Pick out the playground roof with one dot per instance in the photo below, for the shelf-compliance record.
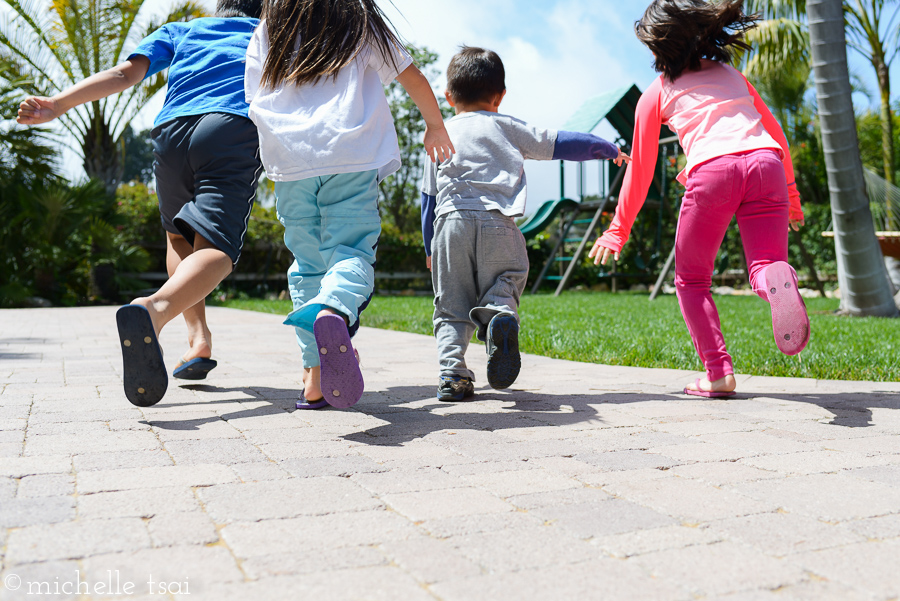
(617, 107)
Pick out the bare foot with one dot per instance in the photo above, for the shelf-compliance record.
(155, 317)
(200, 345)
(312, 384)
(726, 384)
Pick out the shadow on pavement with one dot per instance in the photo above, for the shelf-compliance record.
(528, 409)
(521, 409)
(9, 355)
(413, 411)
(280, 401)
(851, 409)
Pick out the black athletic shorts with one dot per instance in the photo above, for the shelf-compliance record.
(207, 167)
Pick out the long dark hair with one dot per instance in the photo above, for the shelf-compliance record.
(681, 32)
(331, 33)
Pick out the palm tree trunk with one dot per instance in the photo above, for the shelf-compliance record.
(102, 155)
(887, 137)
(865, 289)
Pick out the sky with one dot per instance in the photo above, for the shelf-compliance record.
(557, 55)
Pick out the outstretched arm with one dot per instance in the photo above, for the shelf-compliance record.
(576, 146)
(644, 151)
(38, 109)
(437, 141)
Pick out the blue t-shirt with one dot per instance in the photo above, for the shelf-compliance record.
(205, 58)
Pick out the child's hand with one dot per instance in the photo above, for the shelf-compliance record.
(622, 158)
(438, 144)
(36, 110)
(796, 223)
(428, 263)
(600, 254)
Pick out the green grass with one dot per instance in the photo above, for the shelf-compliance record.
(627, 329)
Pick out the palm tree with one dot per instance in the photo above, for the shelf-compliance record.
(26, 154)
(871, 29)
(863, 280)
(62, 42)
(864, 25)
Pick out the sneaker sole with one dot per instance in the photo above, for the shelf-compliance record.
(504, 361)
(790, 323)
(457, 398)
(342, 382)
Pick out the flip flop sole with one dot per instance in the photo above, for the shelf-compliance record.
(342, 382)
(144, 374)
(195, 369)
(504, 360)
(790, 323)
(302, 403)
(708, 394)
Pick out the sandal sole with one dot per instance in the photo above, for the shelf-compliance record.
(342, 381)
(144, 372)
(790, 322)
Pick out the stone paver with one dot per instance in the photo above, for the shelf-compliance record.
(582, 481)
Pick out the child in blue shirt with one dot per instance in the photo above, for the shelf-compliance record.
(476, 253)
(207, 166)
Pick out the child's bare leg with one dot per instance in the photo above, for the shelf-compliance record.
(199, 336)
(726, 384)
(192, 276)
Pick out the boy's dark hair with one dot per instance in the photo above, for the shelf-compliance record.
(475, 75)
(227, 9)
(331, 32)
(681, 32)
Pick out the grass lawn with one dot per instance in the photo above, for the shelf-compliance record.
(627, 329)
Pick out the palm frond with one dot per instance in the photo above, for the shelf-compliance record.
(777, 9)
(32, 29)
(776, 42)
(134, 101)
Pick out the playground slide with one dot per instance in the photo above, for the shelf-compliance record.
(545, 214)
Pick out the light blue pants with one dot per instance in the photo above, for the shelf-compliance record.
(331, 225)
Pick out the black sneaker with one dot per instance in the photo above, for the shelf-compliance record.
(455, 388)
(502, 344)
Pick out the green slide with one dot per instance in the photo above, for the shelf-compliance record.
(538, 222)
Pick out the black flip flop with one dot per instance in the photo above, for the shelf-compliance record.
(144, 370)
(195, 369)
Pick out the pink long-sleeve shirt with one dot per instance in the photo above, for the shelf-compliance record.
(715, 111)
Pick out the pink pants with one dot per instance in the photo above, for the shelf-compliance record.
(752, 186)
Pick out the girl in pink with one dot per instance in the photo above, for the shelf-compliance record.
(738, 163)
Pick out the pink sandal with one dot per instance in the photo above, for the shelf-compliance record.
(709, 394)
(790, 323)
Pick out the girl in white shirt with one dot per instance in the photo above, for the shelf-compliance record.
(314, 80)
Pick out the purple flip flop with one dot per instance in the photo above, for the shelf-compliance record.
(304, 404)
(342, 382)
(790, 323)
(709, 394)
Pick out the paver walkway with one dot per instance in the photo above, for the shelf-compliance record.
(584, 482)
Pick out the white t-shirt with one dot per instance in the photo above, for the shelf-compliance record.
(341, 125)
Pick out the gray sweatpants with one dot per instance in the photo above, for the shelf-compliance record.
(478, 269)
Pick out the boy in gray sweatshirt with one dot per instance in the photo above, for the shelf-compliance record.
(474, 249)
